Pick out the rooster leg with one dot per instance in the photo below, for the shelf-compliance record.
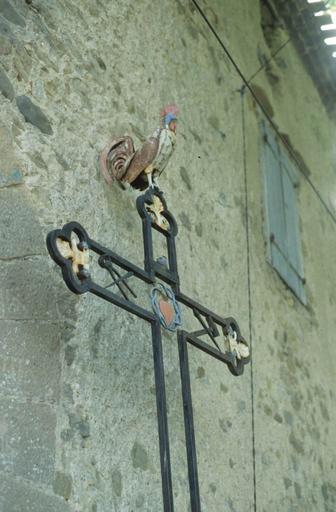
(149, 173)
(150, 180)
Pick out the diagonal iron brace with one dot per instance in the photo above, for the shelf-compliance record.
(118, 280)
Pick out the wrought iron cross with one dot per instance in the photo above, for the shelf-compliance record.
(70, 248)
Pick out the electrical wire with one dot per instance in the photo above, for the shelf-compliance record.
(248, 266)
(269, 60)
(265, 113)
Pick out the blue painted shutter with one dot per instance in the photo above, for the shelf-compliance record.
(281, 214)
(295, 270)
(276, 225)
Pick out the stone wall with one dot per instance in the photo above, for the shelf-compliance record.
(78, 415)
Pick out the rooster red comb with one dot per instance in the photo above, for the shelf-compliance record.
(172, 108)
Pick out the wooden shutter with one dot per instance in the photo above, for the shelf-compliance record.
(295, 271)
(275, 218)
(284, 250)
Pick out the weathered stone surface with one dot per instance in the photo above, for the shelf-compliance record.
(7, 37)
(33, 114)
(20, 232)
(6, 87)
(8, 12)
(117, 482)
(5, 43)
(15, 177)
(28, 292)
(18, 496)
(69, 354)
(139, 456)
(38, 160)
(80, 424)
(28, 440)
(62, 485)
(185, 177)
(185, 220)
(30, 360)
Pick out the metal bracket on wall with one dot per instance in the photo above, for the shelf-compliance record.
(70, 247)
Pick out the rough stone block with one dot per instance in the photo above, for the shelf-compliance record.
(62, 485)
(27, 440)
(8, 12)
(80, 424)
(20, 233)
(7, 38)
(6, 87)
(33, 114)
(27, 291)
(15, 177)
(17, 496)
(29, 360)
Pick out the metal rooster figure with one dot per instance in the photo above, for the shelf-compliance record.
(119, 161)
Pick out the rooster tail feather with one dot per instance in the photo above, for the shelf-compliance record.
(115, 158)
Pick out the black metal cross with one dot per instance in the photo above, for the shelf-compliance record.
(70, 248)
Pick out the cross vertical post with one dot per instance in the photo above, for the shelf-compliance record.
(189, 424)
(161, 405)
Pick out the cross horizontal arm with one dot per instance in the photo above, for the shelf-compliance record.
(205, 347)
(82, 284)
(115, 299)
(191, 303)
(233, 359)
(122, 262)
